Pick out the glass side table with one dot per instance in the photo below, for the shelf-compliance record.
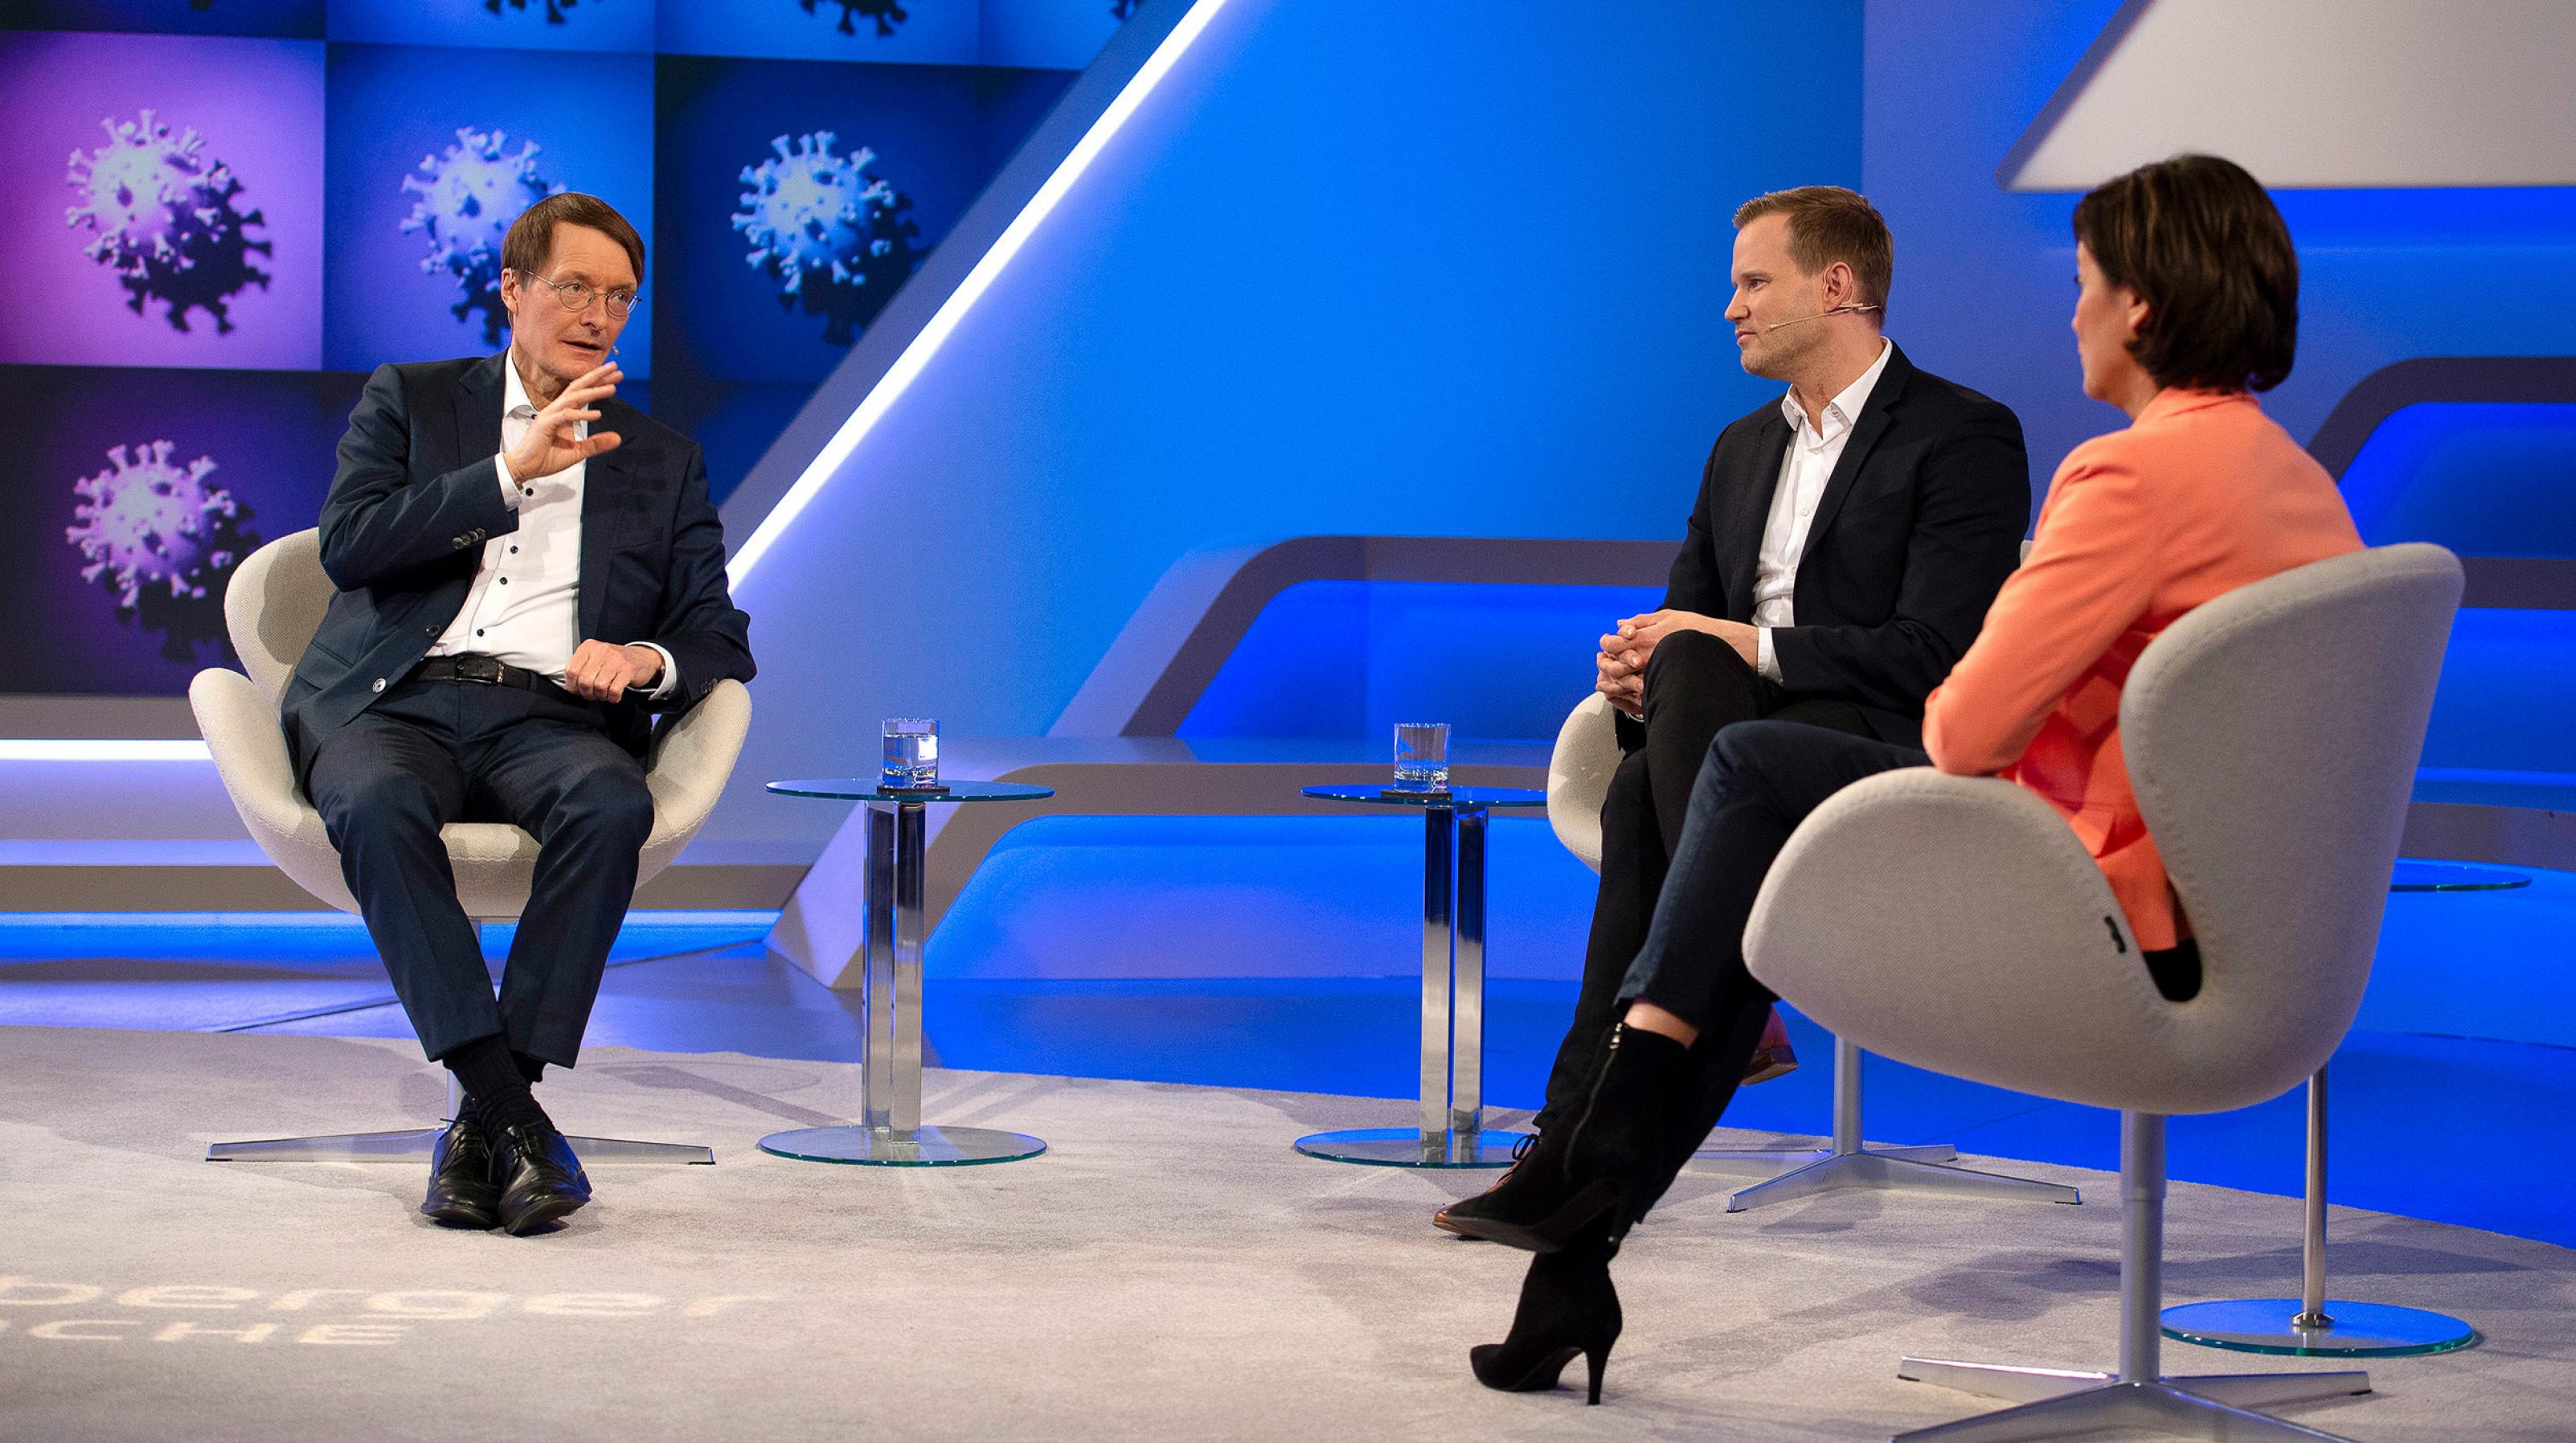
(1451, 1131)
(2313, 1325)
(891, 1133)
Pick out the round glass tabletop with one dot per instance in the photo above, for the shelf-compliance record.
(1463, 798)
(2414, 876)
(869, 789)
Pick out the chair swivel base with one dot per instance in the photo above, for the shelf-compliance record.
(2051, 1403)
(1412, 1147)
(413, 1145)
(1825, 1170)
(888, 1147)
(2350, 1330)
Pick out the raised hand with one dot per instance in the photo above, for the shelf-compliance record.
(551, 443)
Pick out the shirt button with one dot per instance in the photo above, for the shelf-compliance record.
(527, 490)
(478, 631)
(379, 684)
(505, 581)
(514, 551)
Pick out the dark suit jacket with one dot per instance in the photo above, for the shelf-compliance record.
(1918, 526)
(418, 493)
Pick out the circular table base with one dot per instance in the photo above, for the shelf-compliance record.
(1407, 1147)
(884, 1147)
(2414, 876)
(2358, 1330)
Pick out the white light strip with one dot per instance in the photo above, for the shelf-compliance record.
(22, 749)
(908, 366)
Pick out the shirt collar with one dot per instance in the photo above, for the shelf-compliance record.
(514, 395)
(1843, 409)
(514, 392)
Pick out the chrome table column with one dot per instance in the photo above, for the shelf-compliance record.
(2311, 1325)
(1449, 1128)
(890, 1131)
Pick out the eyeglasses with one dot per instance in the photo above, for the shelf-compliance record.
(575, 296)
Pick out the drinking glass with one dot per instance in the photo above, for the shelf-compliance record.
(1422, 756)
(911, 752)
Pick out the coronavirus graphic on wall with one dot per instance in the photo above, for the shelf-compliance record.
(469, 194)
(160, 538)
(834, 236)
(887, 13)
(165, 221)
(554, 8)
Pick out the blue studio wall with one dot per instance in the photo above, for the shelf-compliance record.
(1385, 269)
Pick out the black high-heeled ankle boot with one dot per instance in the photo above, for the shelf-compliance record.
(1606, 1162)
(1567, 1307)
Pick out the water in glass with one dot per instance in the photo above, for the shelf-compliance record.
(1422, 756)
(911, 752)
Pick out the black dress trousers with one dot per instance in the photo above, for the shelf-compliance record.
(430, 753)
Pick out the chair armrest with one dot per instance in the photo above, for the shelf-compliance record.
(1578, 777)
(1956, 923)
(240, 726)
(691, 761)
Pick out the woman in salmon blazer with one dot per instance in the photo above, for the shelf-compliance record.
(2187, 303)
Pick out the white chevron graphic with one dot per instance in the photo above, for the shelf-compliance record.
(2320, 94)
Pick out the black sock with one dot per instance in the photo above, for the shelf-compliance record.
(494, 1090)
(530, 1068)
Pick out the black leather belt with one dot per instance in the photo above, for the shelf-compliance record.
(483, 671)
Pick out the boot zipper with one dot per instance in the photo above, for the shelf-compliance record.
(1592, 1099)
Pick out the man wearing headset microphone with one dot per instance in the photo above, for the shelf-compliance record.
(1846, 543)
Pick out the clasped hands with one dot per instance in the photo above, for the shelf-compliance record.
(1629, 646)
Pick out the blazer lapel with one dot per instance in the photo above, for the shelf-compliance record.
(1865, 433)
(1748, 513)
(477, 412)
(604, 479)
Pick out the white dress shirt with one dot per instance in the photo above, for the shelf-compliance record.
(1809, 463)
(524, 607)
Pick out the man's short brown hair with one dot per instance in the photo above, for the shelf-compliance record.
(2201, 243)
(1828, 223)
(532, 235)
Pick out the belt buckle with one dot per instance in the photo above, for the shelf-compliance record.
(482, 670)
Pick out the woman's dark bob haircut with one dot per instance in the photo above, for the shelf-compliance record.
(2204, 247)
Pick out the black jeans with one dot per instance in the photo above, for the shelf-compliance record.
(1761, 781)
(1697, 687)
(430, 753)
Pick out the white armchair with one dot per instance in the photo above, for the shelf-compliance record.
(1578, 781)
(1956, 924)
(272, 608)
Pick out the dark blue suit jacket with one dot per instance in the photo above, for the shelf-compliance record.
(1919, 524)
(418, 493)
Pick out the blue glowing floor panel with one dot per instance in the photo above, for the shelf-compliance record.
(2457, 1130)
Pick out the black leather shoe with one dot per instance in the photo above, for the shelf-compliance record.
(461, 1194)
(538, 1178)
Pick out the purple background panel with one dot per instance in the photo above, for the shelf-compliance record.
(592, 120)
(588, 25)
(286, 19)
(270, 435)
(258, 103)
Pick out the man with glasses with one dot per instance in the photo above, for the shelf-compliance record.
(529, 572)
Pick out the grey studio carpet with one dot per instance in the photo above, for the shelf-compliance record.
(1168, 1270)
